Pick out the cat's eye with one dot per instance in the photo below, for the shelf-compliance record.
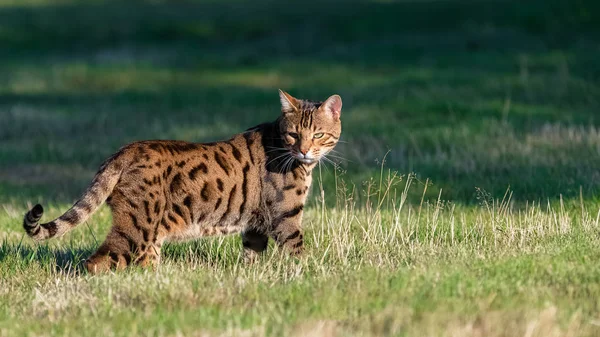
(293, 135)
(318, 135)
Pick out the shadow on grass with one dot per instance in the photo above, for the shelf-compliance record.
(70, 260)
(61, 260)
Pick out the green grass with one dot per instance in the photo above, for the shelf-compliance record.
(474, 97)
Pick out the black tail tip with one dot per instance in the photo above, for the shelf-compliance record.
(37, 211)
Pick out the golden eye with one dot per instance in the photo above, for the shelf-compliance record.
(318, 135)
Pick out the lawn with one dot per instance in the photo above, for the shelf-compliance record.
(465, 201)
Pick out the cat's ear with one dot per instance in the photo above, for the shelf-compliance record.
(333, 107)
(288, 103)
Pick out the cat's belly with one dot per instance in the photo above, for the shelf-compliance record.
(208, 228)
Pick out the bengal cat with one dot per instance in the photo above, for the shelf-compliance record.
(255, 183)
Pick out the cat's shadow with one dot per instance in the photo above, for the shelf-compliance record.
(67, 261)
(70, 260)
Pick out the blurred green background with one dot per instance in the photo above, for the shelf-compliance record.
(467, 94)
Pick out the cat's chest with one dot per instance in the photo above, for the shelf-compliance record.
(291, 186)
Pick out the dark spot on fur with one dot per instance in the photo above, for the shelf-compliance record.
(200, 167)
(222, 162)
(292, 236)
(85, 206)
(289, 214)
(236, 153)
(172, 218)
(165, 224)
(156, 147)
(147, 209)
(205, 193)
(187, 202)
(177, 210)
(176, 183)
(51, 227)
(244, 188)
(183, 147)
(228, 210)
(72, 217)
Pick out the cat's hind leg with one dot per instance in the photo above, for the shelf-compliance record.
(130, 240)
(116, 252)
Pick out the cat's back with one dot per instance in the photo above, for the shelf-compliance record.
(175, 156)
(214, 185)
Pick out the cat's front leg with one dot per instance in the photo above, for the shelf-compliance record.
(287, 231)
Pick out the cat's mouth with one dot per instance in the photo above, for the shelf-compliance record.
(306, 160)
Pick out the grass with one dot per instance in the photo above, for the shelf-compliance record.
(477, 98)
(371, 270)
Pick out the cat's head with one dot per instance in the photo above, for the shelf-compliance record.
(309, 130)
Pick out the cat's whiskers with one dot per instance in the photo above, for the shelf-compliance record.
(337, 155)
(330, 161)
(338, 158)
(282, 162)
(276, 158)
(287, 162)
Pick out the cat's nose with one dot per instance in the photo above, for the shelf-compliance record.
(304, 151)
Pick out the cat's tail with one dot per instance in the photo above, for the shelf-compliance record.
(96, 193)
